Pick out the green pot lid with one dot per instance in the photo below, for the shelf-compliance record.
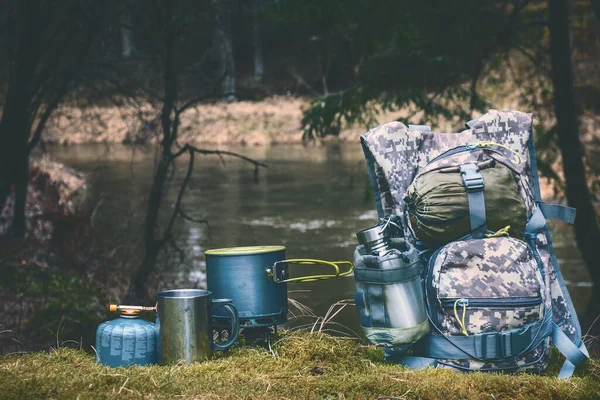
(235, 251)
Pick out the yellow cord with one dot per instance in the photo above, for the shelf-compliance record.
(498, 233)
(312, 278)
(517, 159)
(463, 328)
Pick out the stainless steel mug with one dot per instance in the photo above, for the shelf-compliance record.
(185, 330)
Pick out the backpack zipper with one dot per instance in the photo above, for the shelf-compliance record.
(468, 147)
(492, 302)
(429, 291)
(451, 152)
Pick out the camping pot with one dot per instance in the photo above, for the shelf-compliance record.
(185, 325)
(256, 278)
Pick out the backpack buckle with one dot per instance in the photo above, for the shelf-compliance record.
(496, 346)
(472, 178)
(503, 345)
(506, 344)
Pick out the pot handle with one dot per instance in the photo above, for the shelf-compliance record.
(278, 275)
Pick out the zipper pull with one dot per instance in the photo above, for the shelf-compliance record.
(498, 233)
(461, 321)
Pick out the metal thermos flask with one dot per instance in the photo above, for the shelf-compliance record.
(396, 295)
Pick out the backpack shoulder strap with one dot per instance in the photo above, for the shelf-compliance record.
(566, 332)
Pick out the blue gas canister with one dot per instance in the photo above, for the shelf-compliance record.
(127, 340)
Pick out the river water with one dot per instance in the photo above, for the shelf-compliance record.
(311, 199)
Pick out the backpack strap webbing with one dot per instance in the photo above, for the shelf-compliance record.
(486, 346)
(559, 212)
(575, 355)
(474, 185)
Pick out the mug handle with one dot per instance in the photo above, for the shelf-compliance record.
(235, 326)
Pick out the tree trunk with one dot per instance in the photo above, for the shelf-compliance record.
(587, 233)
(259, 68)
(223, 44)
(169, 124)
(15, 125)
(127, 39)
(152, 246)
(596, 8)
(21, 183)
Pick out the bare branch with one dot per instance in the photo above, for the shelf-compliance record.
(201, 97)
(180, 194)
(191, 103)
(188, 217)
(171, 241)
(177, 209)
(193, 149)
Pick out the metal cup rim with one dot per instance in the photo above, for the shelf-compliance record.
(168, 294)
(222, 301)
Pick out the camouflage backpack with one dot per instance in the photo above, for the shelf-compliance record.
(495, 299)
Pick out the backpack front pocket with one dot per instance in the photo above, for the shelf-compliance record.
(494, 314)
(484, 285)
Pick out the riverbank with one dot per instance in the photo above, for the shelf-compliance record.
(302, 366)
(274, 120)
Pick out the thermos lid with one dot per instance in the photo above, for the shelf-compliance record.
(235, 251)
(372, 234)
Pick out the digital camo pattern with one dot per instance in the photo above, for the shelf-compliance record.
(560, 308)
(535, 361)
(489, 269)
(398, 153)
(486, 268)
(549, 275)
(481, 320)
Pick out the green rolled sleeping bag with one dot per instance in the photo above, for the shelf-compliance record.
(438, 208)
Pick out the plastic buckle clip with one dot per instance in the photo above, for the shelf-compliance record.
(504, 345)
(496, 346)
(472, 178)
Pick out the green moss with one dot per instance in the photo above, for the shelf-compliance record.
(300, 366)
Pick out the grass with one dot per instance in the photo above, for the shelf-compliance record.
(301, 366)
